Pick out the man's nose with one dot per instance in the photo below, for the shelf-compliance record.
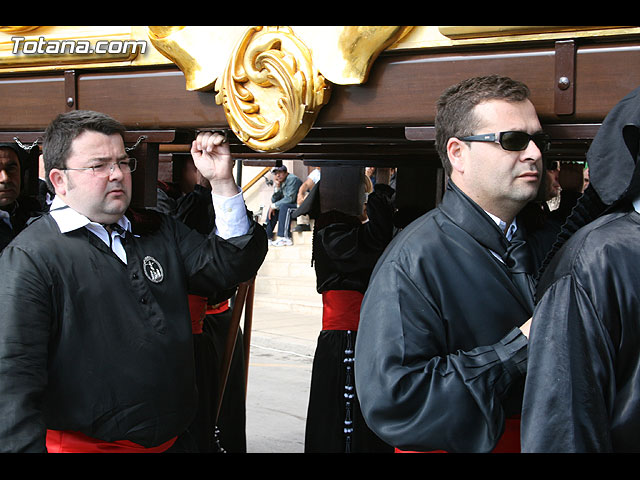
(115, 172)
(532, 152)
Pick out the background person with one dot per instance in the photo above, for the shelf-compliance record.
(345, 251)
(302, 221)
(15, 208)
(283, 202)
(189, 200)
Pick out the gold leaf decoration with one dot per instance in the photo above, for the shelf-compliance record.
(270, 90)
(18, 29)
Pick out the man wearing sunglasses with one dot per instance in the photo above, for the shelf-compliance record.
(441, 350)
(96, 349)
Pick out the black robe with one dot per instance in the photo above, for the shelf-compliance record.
(20, 212)
(345, 252)
(195, 209)
(584, 368)
(92, 345)
(582, 387)
(440, 360)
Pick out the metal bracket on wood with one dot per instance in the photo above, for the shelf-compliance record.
(70, 90)
(565, 79)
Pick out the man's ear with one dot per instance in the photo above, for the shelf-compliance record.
(456, 151)
(59, 181)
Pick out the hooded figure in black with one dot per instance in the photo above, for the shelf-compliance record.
(345, 251)
(15, 214)
(583, 375)
(189, 200)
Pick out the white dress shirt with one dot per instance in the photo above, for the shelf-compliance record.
(231, 221)
(502, 225)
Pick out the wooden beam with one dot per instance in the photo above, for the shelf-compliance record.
(401, 90)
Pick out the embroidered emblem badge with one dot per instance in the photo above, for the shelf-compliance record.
(152, 269)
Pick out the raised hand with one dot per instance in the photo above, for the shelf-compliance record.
(212, 157)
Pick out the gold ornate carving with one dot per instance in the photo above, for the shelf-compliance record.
(271, 92)
(345, 54)
(272, 81)
(201, 52)
(17, 29)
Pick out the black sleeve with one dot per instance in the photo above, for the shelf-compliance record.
(23, 351)
(413, 395)
(566, 406)
(194, 209)
(214, 264)
(350, 248)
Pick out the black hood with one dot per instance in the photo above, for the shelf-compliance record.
(614, 175)
(23, 155)
(613, 155)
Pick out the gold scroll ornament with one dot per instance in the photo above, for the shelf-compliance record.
(270, 91)
(273, 81)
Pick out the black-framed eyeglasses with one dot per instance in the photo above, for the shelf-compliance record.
(126, 165)
(552, 165)
(513, 141)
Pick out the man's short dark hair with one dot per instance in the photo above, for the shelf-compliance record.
(61, 132)
(454, 109)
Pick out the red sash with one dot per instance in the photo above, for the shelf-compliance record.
(67, 441)
(219, 308)
(197, 308)
(509, 441)
(341, 309)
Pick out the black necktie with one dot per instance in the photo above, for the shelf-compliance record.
(517, 258)
(117, 228)
(114, 227)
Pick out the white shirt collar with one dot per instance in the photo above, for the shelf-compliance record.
(68, 219)
(502, 225)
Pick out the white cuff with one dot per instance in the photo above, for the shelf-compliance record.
(231, 215)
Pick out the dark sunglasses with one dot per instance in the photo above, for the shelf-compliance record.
(513, 141)
(552, 165)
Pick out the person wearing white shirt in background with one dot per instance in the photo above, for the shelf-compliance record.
(302, 222)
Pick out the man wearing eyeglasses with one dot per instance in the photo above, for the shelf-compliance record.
(441, 350)
(96, 350)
